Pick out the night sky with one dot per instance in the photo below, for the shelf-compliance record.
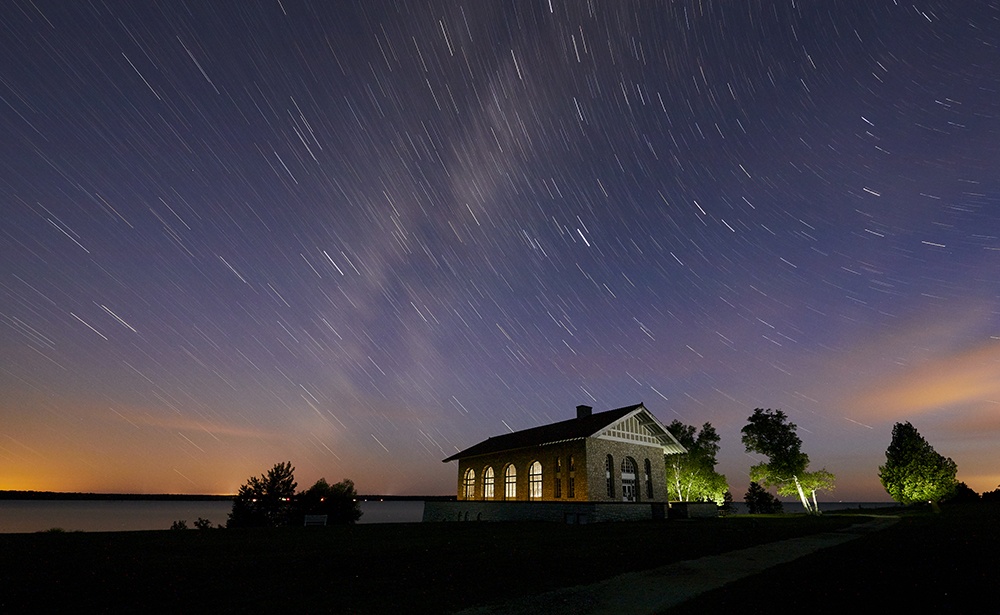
(360, 236)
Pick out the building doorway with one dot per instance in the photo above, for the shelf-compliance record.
(628, 480)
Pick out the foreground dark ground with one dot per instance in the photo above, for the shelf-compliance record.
(430, 568)
(435, 568)
(925, 563)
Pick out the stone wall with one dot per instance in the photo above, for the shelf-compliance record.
(587, 472)
(559, 512)
(597, 451)
(522, 460)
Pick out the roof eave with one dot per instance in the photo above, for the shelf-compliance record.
(459, 455)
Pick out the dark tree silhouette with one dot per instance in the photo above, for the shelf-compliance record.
(727, 507)
(203, 524)
(338, 501)
(265, 501)
(760, 502)
(964, 494)
(914, 471)
(992, 497)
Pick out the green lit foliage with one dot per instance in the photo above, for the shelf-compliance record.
(760, 502)
(691, 476)
(265, 501)
(338, 501)
(811, 482)
(769, 433)
(914, 471)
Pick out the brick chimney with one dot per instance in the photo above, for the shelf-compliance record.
(583, 412)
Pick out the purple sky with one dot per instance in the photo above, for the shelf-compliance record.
(362, 236)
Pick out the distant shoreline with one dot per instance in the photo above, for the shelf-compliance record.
(176, 497)
(188, 497)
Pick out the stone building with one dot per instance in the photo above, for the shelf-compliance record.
(566, 471)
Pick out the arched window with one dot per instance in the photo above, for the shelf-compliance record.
(534, 481)
(649, 480)
(510, 483)
(609, 469)
(488, 483)
(470, 484)
(628, 480)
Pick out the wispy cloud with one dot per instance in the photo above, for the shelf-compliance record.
(968, 379)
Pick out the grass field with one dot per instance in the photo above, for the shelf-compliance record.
(925, 562)
(413, 568)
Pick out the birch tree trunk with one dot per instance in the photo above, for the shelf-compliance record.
(802, 495)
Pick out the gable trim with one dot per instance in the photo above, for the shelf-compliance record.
(657, 431)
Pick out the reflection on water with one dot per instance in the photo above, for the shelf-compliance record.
(17, 516)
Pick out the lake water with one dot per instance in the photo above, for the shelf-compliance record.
(19, 516)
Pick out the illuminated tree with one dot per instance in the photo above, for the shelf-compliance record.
(265, 501)
(692, 476)
(769, 433)
(914, 471)
(339, 502)
(810, 482)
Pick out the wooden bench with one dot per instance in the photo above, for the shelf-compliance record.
(315, 520)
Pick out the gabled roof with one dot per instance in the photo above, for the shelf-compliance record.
(572, 429)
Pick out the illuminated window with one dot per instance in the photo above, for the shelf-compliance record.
(535, 481)
(510, 483)
(470, 484)
(628, 480)
(609, 468)
(649, 481)
(488, 483)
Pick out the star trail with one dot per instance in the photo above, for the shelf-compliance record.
(363, 235)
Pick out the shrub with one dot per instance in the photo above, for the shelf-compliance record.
(203, 524)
